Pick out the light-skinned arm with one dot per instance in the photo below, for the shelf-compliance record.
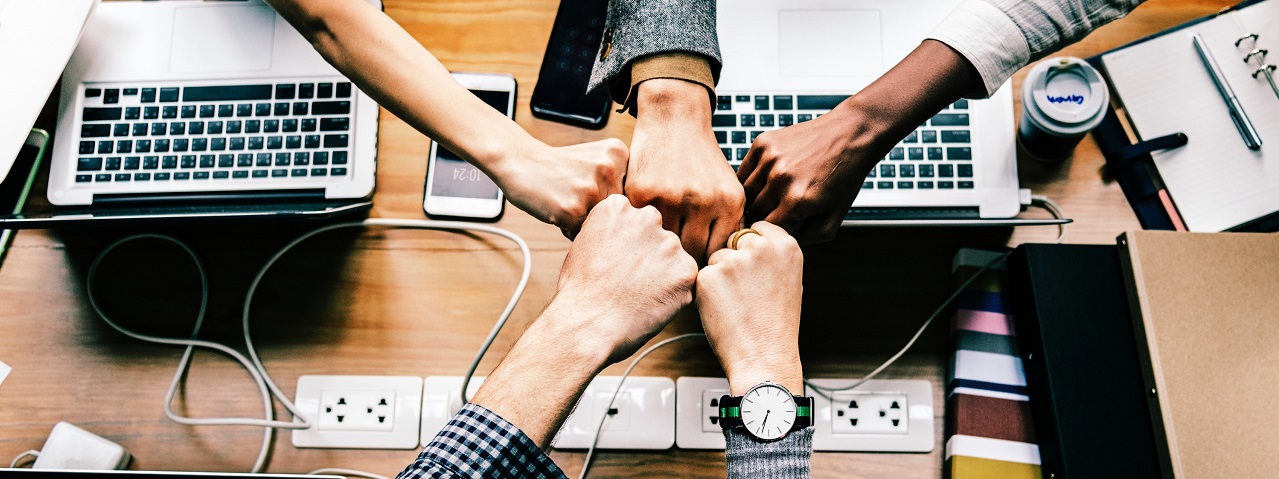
(749, 300)
(623, 280)
(555, 185)
(676, 165)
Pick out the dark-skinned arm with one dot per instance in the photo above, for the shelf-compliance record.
(804, 177)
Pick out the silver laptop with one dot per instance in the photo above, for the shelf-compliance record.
(789, 61)
(176, 100)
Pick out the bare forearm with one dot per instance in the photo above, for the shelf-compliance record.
(396, 71)
(538, 382)
(929, 78)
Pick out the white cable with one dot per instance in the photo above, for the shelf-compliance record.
(416, 224)
(18, 460)
(586, 465)
(345, 472)
(1037, 200)
(824, 391)
(254, 365)
(260, 463)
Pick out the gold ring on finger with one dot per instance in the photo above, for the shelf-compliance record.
(732, 240)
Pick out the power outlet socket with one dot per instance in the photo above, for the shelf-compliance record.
(864, 419)
(642, 416)
(697, 412)
(869, 413)
(710, 410)
(359, 412)
(441, 400)
(343, 410)
(853, 422)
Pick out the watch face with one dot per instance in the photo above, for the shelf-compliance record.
(768, 411)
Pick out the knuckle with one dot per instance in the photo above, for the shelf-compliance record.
(764, 142)
(782, 170)
(690, 272)
(608, 172)
(643, 195)
(615, 148)
(574, 210)
(610, 204)
(793, 197)
(649, 214)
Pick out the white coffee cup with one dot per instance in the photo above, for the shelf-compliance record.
(1062, 99)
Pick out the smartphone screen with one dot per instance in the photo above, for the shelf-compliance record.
(560, 93)
(456, 178)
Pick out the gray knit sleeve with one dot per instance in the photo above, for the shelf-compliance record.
(784, 459)
(645, 27)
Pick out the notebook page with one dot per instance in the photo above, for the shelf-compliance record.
(1215, 180)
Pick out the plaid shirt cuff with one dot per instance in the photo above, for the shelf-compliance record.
(479, 443)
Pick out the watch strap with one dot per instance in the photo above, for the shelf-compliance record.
(730, 412)
(803, 412)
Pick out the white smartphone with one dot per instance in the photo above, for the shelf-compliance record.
(455, 188)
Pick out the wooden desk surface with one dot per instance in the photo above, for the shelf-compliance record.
(397, 302)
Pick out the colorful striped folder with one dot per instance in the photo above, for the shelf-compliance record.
(989, 432)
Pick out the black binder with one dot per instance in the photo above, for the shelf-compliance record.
(1087, 398)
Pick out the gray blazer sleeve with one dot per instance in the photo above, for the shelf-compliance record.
(638, 28)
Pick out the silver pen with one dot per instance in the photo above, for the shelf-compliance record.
(1250, 137)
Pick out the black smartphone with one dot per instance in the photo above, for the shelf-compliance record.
(16, 185)
(560, 93)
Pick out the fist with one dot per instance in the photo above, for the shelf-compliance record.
(560, 185)
(749, 300)
(625, 276)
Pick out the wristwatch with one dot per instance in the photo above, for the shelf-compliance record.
(768, 412)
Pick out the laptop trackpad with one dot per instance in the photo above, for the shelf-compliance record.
(825, 43)
(222, 39)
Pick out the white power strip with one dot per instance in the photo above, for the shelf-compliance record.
(877, 416)
(652, 413)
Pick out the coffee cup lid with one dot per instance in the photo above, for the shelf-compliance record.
(1065, 94)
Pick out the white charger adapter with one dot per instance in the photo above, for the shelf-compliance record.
(70, 447)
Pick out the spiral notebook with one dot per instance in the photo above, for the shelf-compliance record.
(1215, 181)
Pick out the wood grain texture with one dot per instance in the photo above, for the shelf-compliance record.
(401, 302)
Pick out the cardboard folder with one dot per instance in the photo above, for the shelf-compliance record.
(1206, 311)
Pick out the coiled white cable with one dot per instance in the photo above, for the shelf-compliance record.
(191, 344)
(253, 363)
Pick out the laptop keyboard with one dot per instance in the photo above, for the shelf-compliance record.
(936, 156)
(237, 133)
